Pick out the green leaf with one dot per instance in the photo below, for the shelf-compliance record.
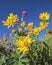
(25, 60)
(22, 55)
(28, 64)
(20, 63)
(15, 63)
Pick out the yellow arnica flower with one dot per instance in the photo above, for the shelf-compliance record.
(36, 31)
(23, 43)
(30, 25)
(44, 16)
(43, 24)
(12, 19)
(22, 24)
(1, 41)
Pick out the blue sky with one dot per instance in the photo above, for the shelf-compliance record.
(33, 7)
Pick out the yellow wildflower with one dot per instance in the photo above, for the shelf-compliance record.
(44, 16)
(1, 41)
(23, 43)
(36, 31)
(12, 19)
(22, 24)
(43, 24)
(30, 25)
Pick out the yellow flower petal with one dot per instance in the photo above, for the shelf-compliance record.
(22, 24)
(43, 24)
(36, 31)
(30, 25)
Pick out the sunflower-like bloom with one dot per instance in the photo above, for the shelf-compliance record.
(44, 16)
(43, 24)
(30, 25)
(23, 43)
(12, 19)
(36, 31)
(22, 24)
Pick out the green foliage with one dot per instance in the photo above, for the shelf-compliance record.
(40, 53)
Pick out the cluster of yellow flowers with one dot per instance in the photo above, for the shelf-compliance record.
(11, 20)
(44, 17)
(43, 24)
(24, 43)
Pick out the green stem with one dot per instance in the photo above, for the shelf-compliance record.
(32, 59)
